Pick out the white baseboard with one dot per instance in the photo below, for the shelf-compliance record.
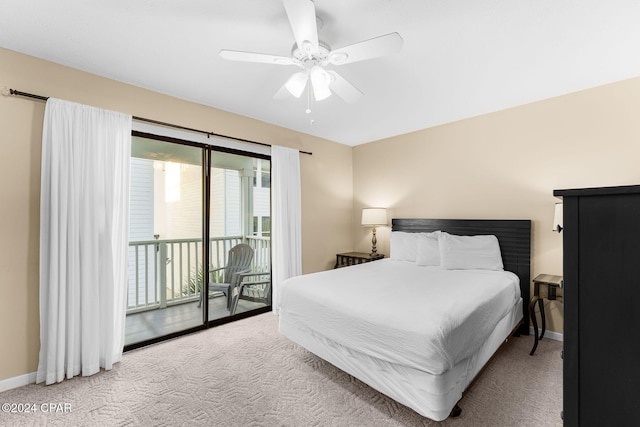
(557, 336)
(18, 381)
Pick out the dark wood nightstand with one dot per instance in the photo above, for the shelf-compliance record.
(544, 286)
(352, 258)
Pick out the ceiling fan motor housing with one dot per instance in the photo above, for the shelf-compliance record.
(308, 60)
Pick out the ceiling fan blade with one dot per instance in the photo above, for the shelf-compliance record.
(234, 55)
(345, 90)
(302, 17)
(372, 48)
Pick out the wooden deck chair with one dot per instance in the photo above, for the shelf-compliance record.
(238, 261)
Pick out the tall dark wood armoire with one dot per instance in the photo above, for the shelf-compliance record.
(601, 306)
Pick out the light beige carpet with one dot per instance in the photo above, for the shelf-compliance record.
(247, 374)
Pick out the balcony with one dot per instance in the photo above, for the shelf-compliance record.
(165, 277)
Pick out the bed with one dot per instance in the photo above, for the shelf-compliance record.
(418, 332)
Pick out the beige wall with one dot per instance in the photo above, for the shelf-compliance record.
(505, 165)
(327, 200)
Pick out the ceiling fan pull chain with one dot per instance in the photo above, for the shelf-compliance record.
(308, 110)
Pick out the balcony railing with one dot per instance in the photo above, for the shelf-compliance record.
(168, 272)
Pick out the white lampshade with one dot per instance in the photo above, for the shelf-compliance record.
(296, 83)
(320, 80)
(558, 222)
(374, 216)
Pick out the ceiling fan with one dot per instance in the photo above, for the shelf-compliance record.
(313, 55)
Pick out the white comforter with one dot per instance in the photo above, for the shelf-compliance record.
(427, 318)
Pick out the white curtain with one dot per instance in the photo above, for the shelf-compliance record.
(84, 211)
(286, 238)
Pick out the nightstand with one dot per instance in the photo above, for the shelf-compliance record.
(352, 258)
(545, 286)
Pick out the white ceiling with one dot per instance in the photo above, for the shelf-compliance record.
(460, 58)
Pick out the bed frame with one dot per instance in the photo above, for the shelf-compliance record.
(514, 237)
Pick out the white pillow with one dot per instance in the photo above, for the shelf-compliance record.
(470, 252)
(404, 246)
(428, 253)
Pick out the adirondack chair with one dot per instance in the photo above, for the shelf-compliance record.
(238, 262)
(257, 289)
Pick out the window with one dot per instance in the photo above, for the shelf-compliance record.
(261, 226)
(266, 226)
(262, 173)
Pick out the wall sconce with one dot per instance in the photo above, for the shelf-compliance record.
(374, 217)
(558, 217)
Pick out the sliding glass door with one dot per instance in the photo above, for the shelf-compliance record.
(240, 221)
(169, 267)
(165, 239)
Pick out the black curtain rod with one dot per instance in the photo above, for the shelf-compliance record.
(157, 122)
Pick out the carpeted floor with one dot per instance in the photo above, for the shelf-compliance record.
(247, 374)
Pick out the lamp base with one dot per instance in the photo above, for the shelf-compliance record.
(374, 251)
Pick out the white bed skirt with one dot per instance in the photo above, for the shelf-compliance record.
(432, 396)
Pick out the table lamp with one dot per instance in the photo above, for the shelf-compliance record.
(374, 217)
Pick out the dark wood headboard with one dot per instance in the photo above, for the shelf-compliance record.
(515, 244)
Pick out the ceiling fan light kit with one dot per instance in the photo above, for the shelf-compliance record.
(313, 55)
(320, 80)
(296, 83)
